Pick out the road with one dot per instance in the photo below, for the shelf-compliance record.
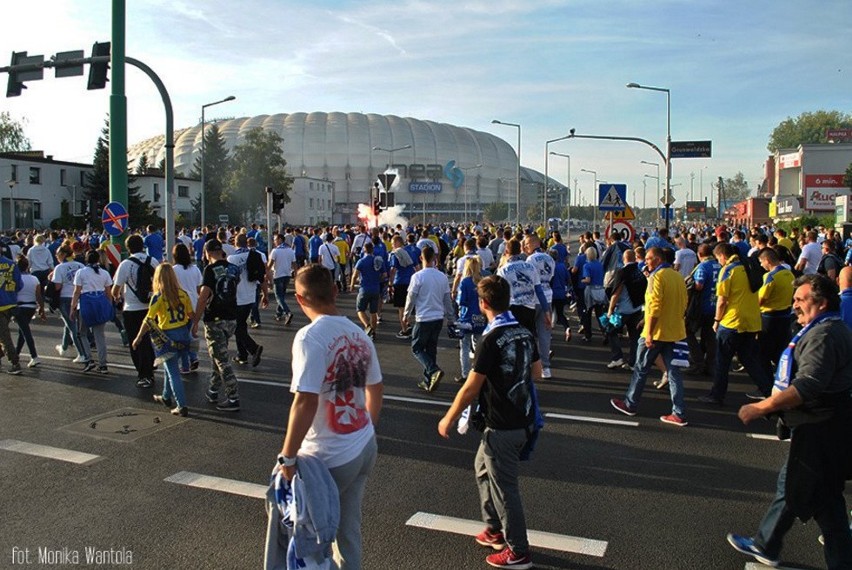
(603, 490)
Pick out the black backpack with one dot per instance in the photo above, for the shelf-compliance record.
(255, 268)
(144, 279)
(225, 289)
(754, 272)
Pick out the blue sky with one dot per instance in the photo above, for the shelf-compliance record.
(735, 70)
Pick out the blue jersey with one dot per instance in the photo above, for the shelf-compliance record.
(154, 245)
(560, 282)
(707, 273)
(370, 274)
(314, 244)
(594, 271)
(402, 276)
(198, 245)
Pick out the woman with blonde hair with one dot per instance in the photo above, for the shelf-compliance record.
(171, 312)
(471, 321)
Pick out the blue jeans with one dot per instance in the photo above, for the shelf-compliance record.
(69, 334)
(645, 358)
(424, 345)
(730, 342)
(173, 384)
(190, 355)
(831, 519)
(280, 292)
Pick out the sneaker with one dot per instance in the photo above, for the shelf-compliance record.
(80, 359)
(124, 340)
(255, 360)
(103, 370)
(622, 407)
(254, 325)
(34, 362)
(674, 419)
(239, 360)
(370, 331)
(821, 540)
(493, 540)
(708, 399)
(423, 385)
(15, 369)
(279, 318)
(403, 334)
(379, 319)
(90, 365)
(546, 374)
(737, 367)
(567, 335)
(193, 366)
(212, 396)
(508, 559)
(287, 318)
(229, 405)
(184, 370)
(626, 366)
(182, 412)
(61, 351)
(615, 364)
(746, 545)
(435, 379)
(755, 396)
(167, 402)
(145, 383)
(459, 379)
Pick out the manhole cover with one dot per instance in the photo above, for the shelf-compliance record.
(126, 424)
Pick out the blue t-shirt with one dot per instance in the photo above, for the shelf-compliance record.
(742, 247)
(154, 245)
(560, 282)
(468, 300)
(299, 246)
(414, 252)
(314, 244)
(707, 273)
(198, 245)
(580, 263)
(594, 270)
(369, 274)
(846, 306)
(561, 251)
(403, 274)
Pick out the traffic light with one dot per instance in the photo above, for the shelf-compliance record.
(277, 201)
(377, 207)
(386, 200)
(98, 71)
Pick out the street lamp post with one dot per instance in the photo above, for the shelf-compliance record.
(594, 189)
(657, 165)
(464, 183)
(203, 187)
(518, 181)
(568, 181)
(668, 139)
(546, 178)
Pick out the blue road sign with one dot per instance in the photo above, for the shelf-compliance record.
(613, 197)
(663, 213)
(115, 218)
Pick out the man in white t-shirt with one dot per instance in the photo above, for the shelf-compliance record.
(282, 263)
(685, 258)
(338, 389)
(246, 297)
(811, 255)
(329, 255)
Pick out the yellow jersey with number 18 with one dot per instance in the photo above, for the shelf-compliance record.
(169, 317)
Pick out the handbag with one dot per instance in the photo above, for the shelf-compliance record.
(95, 308)
(681, 354)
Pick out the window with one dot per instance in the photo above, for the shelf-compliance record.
(62, 177)
(156, 192)
(82, 178)
(311, 204)
(311, 184)
(37, 209)
(35, 175)
(14, 176)
(329, 204)
(183, 191)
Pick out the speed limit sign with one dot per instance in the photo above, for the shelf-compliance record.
(624, 229)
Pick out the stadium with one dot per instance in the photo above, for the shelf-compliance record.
(445, 172)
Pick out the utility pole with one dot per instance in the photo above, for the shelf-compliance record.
(118, 113)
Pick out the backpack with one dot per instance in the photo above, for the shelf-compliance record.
(636, 284)
(754, 273)
(255, 269)
(225, 289)
(144, 279)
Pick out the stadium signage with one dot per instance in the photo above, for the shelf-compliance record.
(415, 171)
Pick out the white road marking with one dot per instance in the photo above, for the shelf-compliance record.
(221, 484)
(590, 419)
(417, 401)
(48, 452)
(759, 566)
(539, 539)
(264, 383)
(764, 436)
(76, 364)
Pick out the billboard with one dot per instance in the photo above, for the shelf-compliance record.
(696, 208)
(821, 190)
(792, 160)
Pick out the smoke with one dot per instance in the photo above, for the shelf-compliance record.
(390, 217)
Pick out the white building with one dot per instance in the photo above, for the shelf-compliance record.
(311, 202)
(807, 179)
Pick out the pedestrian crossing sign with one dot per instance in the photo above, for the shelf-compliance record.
(624, 215)
(613, 197)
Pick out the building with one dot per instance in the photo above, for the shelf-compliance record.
(806, 180)
(445, 172)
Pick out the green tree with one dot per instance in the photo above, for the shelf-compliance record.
(847, 178)
(807, 128)
(496, 211)
(142, 166)
(733, 189)
(258, 162)
(12, 137)
(217, 170)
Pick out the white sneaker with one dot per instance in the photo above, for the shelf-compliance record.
(79, 360)
(615, 364)
(59, 350)
(34, 362)
(545, 374)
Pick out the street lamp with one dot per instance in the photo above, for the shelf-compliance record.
(390, 152)
(464, 182)
(656, 164)
(546, 177)
(568, 187)
(12, 218)
(594, 189)
(518, 182)
(203, 187)
(668, 139)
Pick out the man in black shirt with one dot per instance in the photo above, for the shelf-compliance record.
(217, 303)
(506, 361)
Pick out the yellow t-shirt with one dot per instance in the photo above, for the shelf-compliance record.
(786, 242)
(665, 298)
(777, 291)
(743, 312)
(168, 317)
(343, 248)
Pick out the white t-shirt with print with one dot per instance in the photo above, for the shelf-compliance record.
(64, 275)
(246, 290)
(91, 281)
(126, 276)
(334, 358)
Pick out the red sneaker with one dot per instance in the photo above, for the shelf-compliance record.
(493, 540)
(674, 419)
(508, 559)
(622, 407)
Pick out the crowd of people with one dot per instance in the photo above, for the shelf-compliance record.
(699, 300)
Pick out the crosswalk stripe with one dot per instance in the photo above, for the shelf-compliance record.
(539, 539)
(764, 436)
(37, 450)
(759, 566)
(591, 420)
(221, 484)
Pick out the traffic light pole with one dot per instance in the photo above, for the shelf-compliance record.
(118, 112)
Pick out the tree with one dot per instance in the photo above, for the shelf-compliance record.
(257, 163)
(12, 138)
(847, 178)
(217, 170)
(496, 211)
(733, 189)
(142, 167)
(807, 128)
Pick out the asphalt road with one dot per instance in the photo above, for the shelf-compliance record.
(647, 496)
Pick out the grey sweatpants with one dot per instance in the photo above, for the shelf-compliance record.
(351, 478)
(496, 467)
